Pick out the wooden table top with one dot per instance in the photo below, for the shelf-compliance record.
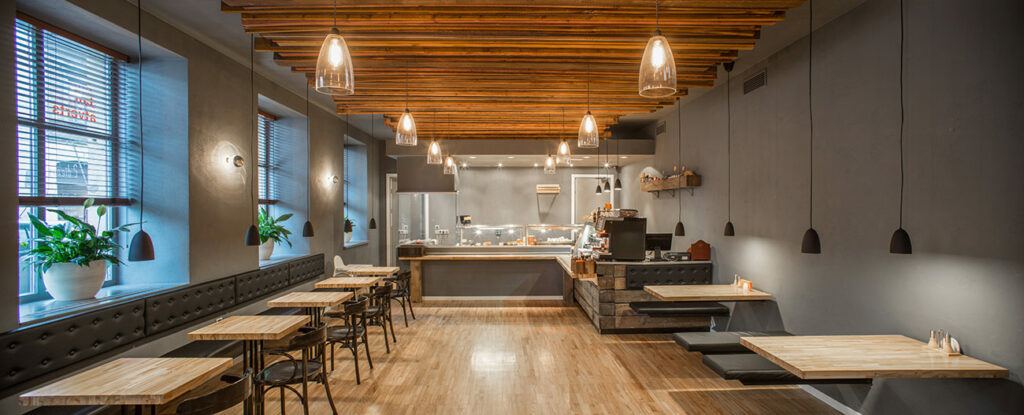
(348, 282)
(705, 292)
(310, 299)
(250, 328)
(866, 357)
(129, 381)
(370, 271)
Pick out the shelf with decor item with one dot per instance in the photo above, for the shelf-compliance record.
(687, 181)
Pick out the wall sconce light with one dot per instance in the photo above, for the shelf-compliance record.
(235, 160)
(335, 179)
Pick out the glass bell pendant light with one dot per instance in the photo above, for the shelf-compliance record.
(449, 165)
(563, 151)
(434, 153)
(658, 67)
(141, 247)
(549, 165)
(334, 64)
(588, 137)
(405, 134)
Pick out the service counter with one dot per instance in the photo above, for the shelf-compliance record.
(492, 273)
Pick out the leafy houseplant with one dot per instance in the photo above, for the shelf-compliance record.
(348, 229)
(73, 255)
(272, 230)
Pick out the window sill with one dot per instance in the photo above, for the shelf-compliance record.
(355, 244)
(42, 310)
(277, 259)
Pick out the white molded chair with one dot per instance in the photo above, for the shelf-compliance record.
(340, 267)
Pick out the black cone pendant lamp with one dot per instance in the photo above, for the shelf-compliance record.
(141, 247)
(373, 222)
(730, 230)
(618, 183)
(252, 235)
(680, 229)
(900, 241)
(811, 243)
(307, 228)
(599, 190)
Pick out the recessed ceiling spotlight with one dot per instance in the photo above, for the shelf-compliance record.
(501, 165)
(472, 157)
(511, 157)
(586, 157)
(606, 165)
(536, 165)
(623, 157)
(464, 164)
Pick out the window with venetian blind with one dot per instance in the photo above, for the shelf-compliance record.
(268, 149)
(75, 112)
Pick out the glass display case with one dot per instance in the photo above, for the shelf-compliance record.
(491, 235)
(544, 234)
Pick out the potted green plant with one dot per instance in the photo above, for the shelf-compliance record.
(348, 229)
(72, 254)
(272, 230)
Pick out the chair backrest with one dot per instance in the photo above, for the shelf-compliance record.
(402, 279)
(339, 263)
(237, 391)
(355, 307)
(308, 337)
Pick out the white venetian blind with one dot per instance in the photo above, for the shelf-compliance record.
(269, 150)
(76, 109)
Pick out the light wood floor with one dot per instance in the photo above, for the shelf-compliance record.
(536, 360)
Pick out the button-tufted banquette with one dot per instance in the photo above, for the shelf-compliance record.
(45, 348)
(166, 311)
(33, 351)
(255, 284)
(306, 269)
(677, 274)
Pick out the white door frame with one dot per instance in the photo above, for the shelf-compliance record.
(572, 195)
(389, 189)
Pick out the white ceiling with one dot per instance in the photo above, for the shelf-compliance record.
(203, 20)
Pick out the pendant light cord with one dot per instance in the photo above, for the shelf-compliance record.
(901, 113)
(657, 16)
(252, 123)
(309, 168)
(728, 145)
(142, 139)
(679, 127)
(810, 107)
(335, 14)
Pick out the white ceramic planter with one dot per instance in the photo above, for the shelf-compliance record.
(348, 237)
(67, 281)
(266, 249)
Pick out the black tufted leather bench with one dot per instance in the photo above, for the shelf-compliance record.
(719, 342)
(680, 308)
(681, 274)
(173, 309)
(256, 284)
(33, 351)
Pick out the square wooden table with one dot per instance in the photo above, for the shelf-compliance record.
(252, 331)
(313, 303)
(866, 357)
(705, 292)
(370, 271)
(134, 382)
(348, 282)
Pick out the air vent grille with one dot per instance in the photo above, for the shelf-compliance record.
(660, 129)
(754, 82)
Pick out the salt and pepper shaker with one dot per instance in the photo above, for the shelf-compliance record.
(735, 280)
(947, 345)
(933, 342)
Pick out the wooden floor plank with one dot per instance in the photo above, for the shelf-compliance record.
(530, 360)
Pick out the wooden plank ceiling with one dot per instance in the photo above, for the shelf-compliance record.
(506, 68)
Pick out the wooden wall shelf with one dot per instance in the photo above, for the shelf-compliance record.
(672, 184)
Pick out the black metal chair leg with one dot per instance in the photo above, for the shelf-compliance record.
(384, 328)
(282, 400)
(405, 317)
(413, 313)
(327, 388)
(366, 346)
(391, 325)
(355, 360)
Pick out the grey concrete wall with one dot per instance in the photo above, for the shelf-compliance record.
(9, 175)
(502, 196)
(964, 197)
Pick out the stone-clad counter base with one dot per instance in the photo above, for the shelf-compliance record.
(605, 299)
